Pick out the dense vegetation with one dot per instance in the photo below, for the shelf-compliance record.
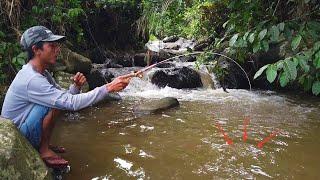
(244, 27)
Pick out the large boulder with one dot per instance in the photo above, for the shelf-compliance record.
(232, 77)
(139, 59)
(177, 78)
(154, 106)
(18, 159)
(98, 77)
(75, 62)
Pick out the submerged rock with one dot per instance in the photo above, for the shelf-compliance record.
(18, 159)
(177, 78)
(156, 105)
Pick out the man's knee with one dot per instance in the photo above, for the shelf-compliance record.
(31, 128)
(52, 114)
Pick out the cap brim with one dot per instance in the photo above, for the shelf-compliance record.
(53, 38)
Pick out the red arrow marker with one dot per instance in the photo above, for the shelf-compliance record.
(265, 140)
(225, 136)
(245, 123)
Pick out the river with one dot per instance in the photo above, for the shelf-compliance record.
(109, 141)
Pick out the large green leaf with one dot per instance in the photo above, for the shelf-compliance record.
(233, 40)
(284, 79)
(271, 73)
(316, 88)
(290, 67)
(279, 64)
(252, 37)
(262, 34)
(256, 47)
(303, 63)
(260, 71)
(275, 33)
(296, 41)
(245, 36)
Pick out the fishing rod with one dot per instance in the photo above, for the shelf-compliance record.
(140, 72)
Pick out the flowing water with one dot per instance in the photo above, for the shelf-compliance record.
(109, 141)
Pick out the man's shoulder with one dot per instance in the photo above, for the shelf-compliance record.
(24, 76)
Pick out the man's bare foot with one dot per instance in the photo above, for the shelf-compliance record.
(52, 160)
(47, 153)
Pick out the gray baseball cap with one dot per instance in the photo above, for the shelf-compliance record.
(36, 34)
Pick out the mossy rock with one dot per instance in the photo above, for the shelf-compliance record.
(75, 62)
(64, 80)
(18, 159)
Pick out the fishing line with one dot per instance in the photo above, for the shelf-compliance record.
(246, 119)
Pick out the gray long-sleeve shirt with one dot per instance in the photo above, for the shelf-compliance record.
(30, 87)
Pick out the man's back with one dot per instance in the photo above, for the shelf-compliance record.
(16, 105)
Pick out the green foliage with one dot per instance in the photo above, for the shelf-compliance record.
(11, 57)
(60, 16)
(191, 19)
(303, 67)
(253, 26)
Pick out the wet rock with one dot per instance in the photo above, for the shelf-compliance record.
(98, 55)
(156, 105)
(234, 77)
(187, 58)
(18, 159)
(125, 61)
(171, 46)
(109, 63)
(202, 44)
(206, 80)
(170, 39)
(166, 65)
(177, 78)
(75, 62)
(64, 80)
(180, 46)
(98, 77)
(139, 59)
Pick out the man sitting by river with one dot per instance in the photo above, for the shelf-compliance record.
(34, 98)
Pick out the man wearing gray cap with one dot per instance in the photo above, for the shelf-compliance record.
(33, 98)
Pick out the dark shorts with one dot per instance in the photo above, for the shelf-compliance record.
(32, 126)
